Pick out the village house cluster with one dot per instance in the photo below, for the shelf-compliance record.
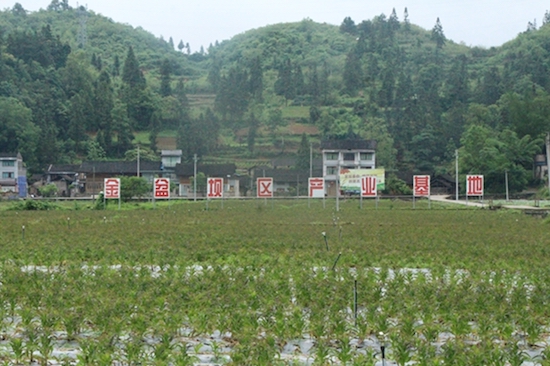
(342, 166)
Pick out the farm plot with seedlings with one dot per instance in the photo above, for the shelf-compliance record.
(280, 284)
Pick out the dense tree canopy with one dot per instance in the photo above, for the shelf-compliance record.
(419, 94)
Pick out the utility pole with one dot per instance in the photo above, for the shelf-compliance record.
(93, 173)
(338, 186)
(548, 158)
(138, 160)
(456, 174)
(195, 177)
(310, 159)
(506, 181)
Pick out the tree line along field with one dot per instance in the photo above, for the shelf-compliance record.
(256, 283)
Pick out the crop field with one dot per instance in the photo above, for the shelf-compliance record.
(274, 283)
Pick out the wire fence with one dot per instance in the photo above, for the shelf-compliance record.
(486, 201)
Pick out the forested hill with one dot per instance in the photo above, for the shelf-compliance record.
(76, 85)
(81, 28)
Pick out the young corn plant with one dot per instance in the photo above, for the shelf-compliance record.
(72, 322)
(46, 347)
(425, 354)
(48, 321)
(515, 355)
(495, 356)
(344, 352)
(367, 359)
(106, 358)
(297, 323)
(431, 332)
(322, 352)
(31, 345)
(162, 351)
(88, 352)
(460, 326)
(64, 360)
(217, 351)
(183, 358)
(401, 350)
(454, 353)
(407, 331)
(532, 330)
(363, 328)
(484, 328)
(18, 348)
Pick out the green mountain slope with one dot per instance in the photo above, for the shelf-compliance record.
(100, 35)
(83, 86)
(309, 42)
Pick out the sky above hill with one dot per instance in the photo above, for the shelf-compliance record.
(483, 23)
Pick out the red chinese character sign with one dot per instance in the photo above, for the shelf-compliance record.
(161, 188)
(111, 188)
(316, 187)
(214, 188)
(264, 187)
(368, 186)
(421, 185)
(474, 185)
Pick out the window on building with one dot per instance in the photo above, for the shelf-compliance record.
(7, 175)
(170, 161)
(332, 170)
(349, 156)
(331, 156)
(8, 162)
(367, 156)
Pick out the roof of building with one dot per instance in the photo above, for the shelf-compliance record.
(291, 162)
(63, 168)
(283, 162)
(8, 182)
(286, 175)
(348, 145)
(171, 153)
(119, 167)
(210, 170)
(10, 155)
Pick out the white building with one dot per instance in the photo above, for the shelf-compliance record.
(13, 174)
(169, 159)
(345, 154)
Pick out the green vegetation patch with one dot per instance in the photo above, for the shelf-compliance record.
(254, 282)
(390, 233)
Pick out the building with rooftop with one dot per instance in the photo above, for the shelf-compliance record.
(345, 154)
(13, 174)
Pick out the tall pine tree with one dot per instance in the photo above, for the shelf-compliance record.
(437, 34)
(353, 73)
(135, 95)
(303, 154)
(165, 78)
(284, 84)
(103, 106)
(256, 79)
(131, 73)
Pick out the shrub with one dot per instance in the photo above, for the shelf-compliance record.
(395, 185)
(49, 190)
(133, 187)
(34, 205)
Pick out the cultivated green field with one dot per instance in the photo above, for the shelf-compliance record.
(257, 284)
